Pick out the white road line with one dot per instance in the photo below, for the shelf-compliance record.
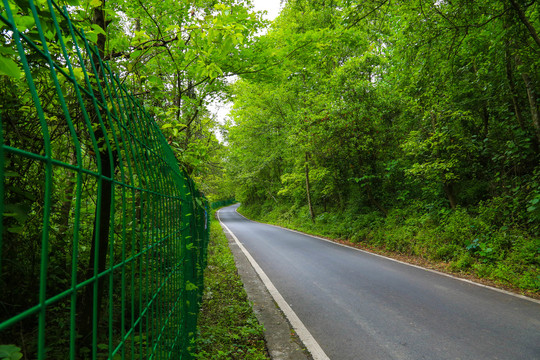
(523, 297)
(303, 333)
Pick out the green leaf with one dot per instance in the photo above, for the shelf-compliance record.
(95, 3)
(135, 54)
(9, 67)
(191, 286)
(7, 51)
(16, 229)
(155, 80)
(91, 36)
(11, 174)
(18, 211)
(79, 74)
(10, 352)
(25, 22)
(98, 29)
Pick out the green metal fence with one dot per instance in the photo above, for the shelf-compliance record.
(103, 237)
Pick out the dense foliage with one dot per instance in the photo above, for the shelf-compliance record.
(413, 125)
(176, 57)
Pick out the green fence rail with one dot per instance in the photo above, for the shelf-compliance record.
(103, 236)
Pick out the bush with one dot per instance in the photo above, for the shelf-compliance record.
(463, 262)
(447, 252)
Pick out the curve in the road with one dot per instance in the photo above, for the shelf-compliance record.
(358, 305)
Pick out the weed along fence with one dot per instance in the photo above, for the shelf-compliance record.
(103, 238)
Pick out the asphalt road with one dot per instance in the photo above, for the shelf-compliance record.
(361, 306)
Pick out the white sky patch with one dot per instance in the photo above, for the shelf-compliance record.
(272, 8)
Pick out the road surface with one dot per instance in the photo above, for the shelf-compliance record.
(356, 305)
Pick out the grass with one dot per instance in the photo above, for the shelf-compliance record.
(227, 327)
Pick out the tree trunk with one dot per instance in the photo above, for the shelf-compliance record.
(99, 19)
(87, 319)
(531, 94)
(100, 244)
(310, 205)
(525, 21)
(485, 118)
(511, 85)
(449, 191)
(374, 201)
(60, 248)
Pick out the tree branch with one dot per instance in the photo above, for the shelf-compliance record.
(366, 15)
(143, 46)
(526, 22)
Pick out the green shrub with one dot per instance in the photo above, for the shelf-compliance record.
(483, 270)
(459, 227)
(400, 239)
(447, 252)
(529, 280)
(463, 262)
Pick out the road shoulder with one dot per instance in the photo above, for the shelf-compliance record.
(280, 338)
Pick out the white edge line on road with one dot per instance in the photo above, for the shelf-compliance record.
(303, 333)
(402, 262)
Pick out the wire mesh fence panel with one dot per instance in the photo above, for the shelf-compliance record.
(103, 236)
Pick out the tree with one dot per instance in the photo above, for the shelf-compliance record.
(434, 90)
